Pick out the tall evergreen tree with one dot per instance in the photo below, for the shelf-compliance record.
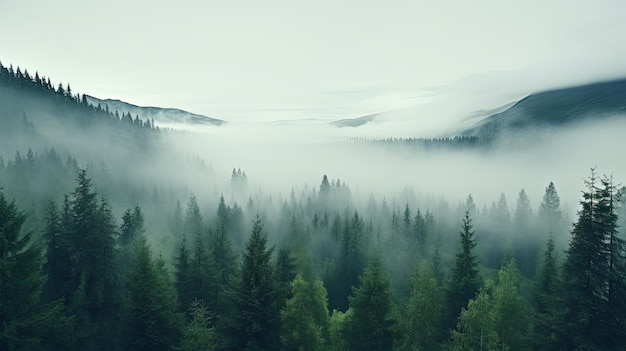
(203, 275)
(592, 318)
(349, 262)
(546, 296)
(523, 210)
(150, 317)
(285, 274)
(608, 200)
(524, 244)
(58, 264)
(370, 324)
(465, 280)
(225, 265)
(94, 301)
(192, 222)
(26, 325)
(550, 207)
(131, 235)
(183, 276)
(257, 319)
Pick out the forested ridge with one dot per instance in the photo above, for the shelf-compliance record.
(95, 255)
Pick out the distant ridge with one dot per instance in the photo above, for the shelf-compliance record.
(158, 114)
(354, 122)
(556, 108)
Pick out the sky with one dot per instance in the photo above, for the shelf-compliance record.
(284, 59)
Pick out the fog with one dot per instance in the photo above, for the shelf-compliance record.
(284, 60)
(279, 157)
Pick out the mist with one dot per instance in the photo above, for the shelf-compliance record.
(277, 158)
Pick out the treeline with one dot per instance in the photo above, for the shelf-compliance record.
(63, 96)
(335, 277)
(460, 142)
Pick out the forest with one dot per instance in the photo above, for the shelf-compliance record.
(101, 249)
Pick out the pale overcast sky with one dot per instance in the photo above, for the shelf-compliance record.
(278, 59)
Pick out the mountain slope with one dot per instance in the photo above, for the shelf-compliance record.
(158, 114)
(556, 108)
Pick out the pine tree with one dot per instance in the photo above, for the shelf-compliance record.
(526, 247)
(203, 275)
(183, 276)
(609, 198)
(465, 278)
(550, 207)
(523, 210)
(26, 325)
(370, 324)
(132, 226)
(94, 301)
(406, 220)
(58, 264)
(350, 261)
(192, 223)
(546, 296)
(591, 320)
(20, 265)
(257, 318)
(176, 223)
(470, 205)
(131, 233)
(149, 311)
(502, 210)
(225, 265)
(285, 274)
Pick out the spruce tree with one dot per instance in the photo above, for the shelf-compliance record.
(370, 324)
(192, 222)
(256, 323)
(202, 274)
(465, 280)
(592, 273)
(183, 276)
(609, 200)
(58, 264)
(150, 317)
(546, 296)
(225, 265)
(285, 274)
(550, 207)
(94, 275)
(26, 324)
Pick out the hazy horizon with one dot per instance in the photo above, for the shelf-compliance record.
(286, 61)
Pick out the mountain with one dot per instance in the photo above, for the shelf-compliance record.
(354, 122)
(158, 114)
(556, 108)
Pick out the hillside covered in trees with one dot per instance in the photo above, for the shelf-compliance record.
(111, 239)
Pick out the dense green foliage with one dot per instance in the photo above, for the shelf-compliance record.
(96, 257)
